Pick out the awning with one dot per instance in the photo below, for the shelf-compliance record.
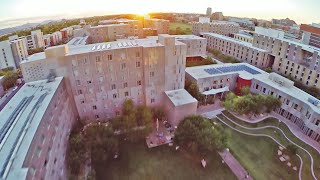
(216, 91)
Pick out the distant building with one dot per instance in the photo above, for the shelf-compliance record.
(284, 22)
(240, 50)
(311, 34)
(1, 86)
(66, 33)
(56, 38)
(217, 16)
(204, 20)
(35, 40)
(270, 32)
(6, 55)
(209, 11)
(19, 50)
(243, 22)
(161, 25)
(220, 27)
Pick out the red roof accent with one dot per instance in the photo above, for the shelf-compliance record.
(312, 29)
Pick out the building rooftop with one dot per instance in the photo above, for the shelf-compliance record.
(107, 25)
(186, 37)
(180, 97)
(248, 71)
(218, 22)
(80, 49)
(78, 41)
(226, 38)
(20, 119)
(245, 35)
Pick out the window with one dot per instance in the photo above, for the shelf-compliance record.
(94, 107)
(82, 101)
(113, 86)
(153, 100)
(98, 59)
(138, 54)
(257, 86)
(109, 57)
(89, 82)
(123, 65)
(125, 85)
(139, 83)
(138, 64)
(318, 122)
(97, 116)
(152, 74)
(79, 91)
(78, 82)
(264, 90)
(295, 106)
(126, 94)
(287, 102)
(114, 96)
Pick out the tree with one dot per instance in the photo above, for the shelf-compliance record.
(10, 79)
(102, 143)
(127, 121)
(158, 113)
(193, 89)
(76, 153)
(199, 135)
(245, 90)
(144, 118)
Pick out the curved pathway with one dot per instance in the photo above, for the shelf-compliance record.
(274, 127)
(290, 126)
(300, 169)
(264, 135)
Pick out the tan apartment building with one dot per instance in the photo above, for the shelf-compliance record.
(220, 27)
(101, 76)
(35, 127)
(242, 51)
(296, 60)
(161, 25)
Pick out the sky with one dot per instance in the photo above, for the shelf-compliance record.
(13, 12)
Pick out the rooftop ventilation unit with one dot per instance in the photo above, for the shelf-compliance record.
(51, 76)
(93, 48)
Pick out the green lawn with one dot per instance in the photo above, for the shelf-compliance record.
(137, 162)
(187, 28)
(306, 171)
(259, 156)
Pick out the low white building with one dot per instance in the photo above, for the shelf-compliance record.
(179, 104)
(297, 106)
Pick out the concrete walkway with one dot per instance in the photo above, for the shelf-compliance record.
(234, 165)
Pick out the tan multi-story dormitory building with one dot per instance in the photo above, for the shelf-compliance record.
(111, 30)
(271, 49)
(220, 27)
(87, 82)
(298, 107)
